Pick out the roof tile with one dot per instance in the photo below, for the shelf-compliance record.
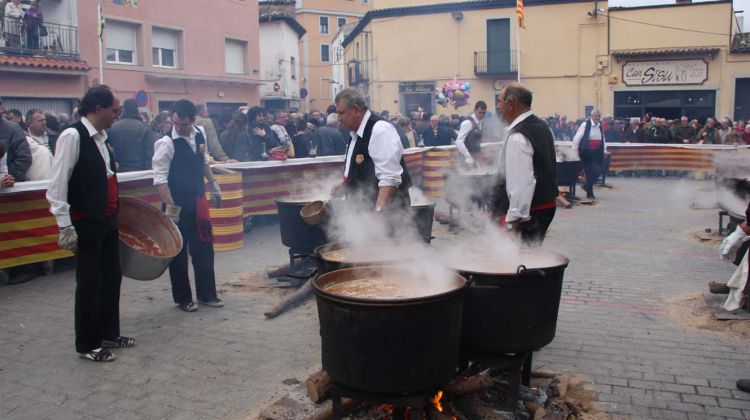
(43, 62)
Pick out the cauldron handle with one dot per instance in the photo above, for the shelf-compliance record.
(522, 271)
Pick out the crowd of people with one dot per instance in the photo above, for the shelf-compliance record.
(650, 129)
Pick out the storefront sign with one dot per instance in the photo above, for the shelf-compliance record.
(661, 73)
(416, 87)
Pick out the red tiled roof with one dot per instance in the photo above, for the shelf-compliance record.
(43, 62)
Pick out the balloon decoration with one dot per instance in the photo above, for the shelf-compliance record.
(454, 92)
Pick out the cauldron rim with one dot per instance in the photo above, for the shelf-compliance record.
(349, 300)
(562, 266)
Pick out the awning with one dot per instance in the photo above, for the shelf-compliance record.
(43, 64)
(676, 52)
(210, 79)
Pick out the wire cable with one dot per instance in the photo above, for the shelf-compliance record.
(663, 26)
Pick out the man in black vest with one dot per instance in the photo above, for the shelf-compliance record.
(524, 197)
(374, 172)
(180, 163)
(591, 145)
(83, 197)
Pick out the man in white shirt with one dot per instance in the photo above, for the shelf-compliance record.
(83, 197)
(180, 164)
(524, 198)
(591, 145)
(469, 140)
(375, 170)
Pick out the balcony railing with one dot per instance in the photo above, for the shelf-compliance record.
(60, 41)
(496, 63)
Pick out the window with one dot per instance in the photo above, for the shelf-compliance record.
(341, 22)
(235, 56)
(324, 25)
(121, 41)
(234, 60)
(293, 63)
(325, 53)
(164, 47)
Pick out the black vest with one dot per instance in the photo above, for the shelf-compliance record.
(362, 179)
(186, 171)
(583, 150)
(545, 165)
(87, 187)
(473, 140)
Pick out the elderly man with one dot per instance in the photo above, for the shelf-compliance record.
(328, 139)
(36, 125)
(524, 197)
(375, 171)
(469, 141)
(436, 134)
(591, 145)
(684, 134)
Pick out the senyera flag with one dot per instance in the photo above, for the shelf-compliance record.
(520, 14)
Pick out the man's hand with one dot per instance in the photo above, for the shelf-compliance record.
(173, 212)
(8, 181)
(215, 193)
(259, 132)
(68, 238)
(732, 243)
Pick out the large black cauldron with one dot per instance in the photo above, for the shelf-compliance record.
(392, 346)
(424, 213)
(511, 311)
(295, 233)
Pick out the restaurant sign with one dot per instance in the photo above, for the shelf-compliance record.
(416, 87)
(662, 73)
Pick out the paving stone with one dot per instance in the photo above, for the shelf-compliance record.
(732, 413)
(700, 399)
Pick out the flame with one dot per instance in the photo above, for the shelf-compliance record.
(436, 401)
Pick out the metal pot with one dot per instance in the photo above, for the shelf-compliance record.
(327, 264)
(295, 233)
(142, 218)
(512, 311)
(389, 346)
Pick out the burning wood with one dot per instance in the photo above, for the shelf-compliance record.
(470, 385)
(318, 385)
(291, 301)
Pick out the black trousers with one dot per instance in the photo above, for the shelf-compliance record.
(98, 279)
(202, 255)
(533, 230)
(593, 168)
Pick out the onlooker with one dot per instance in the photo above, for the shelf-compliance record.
(659, 132)
(726, 128)
(132, 140)
(17, 149)
(262, 138)
(12, 23)
(591, 145)
(235, 140)
(36, 126)
(16, 116)
(6, 180)
(684, 134)
(33, 21)
(279, 128)
(301, 140)
(214, 147)
(328, 139)
(163, 123)
(709, 134)
(436, 134)
(634, 133)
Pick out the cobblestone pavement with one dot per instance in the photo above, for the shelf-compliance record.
(630, 254)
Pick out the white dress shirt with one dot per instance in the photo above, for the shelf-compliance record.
(41, 140)
(519, 172)
(385, 150)
(463, 132)
(594, 134)
(164, 153)
(67, 150)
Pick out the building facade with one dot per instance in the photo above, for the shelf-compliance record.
(323, 19)
(679, 59)
(45, 72)
(279, 62)
(160, 51)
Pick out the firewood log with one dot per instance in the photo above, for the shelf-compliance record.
(470, 385)
(318, 386)
(291, 301)
(327, 413)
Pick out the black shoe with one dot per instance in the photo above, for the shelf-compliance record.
(743, 385)
(590, 196)
(188, 307)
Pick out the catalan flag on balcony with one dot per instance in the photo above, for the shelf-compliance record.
(520, 14)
